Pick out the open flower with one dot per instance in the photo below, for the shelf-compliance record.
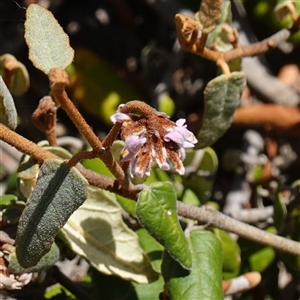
(150, 136)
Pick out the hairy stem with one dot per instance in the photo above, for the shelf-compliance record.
(58, 80)
(40, 154)
(23, 145)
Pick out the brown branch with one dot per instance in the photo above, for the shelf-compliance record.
(282, 120)
(23, 145)
(188, 29)
(209, 215)
(40, 155)
(204, 214)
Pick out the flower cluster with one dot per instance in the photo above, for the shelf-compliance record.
(151, 136)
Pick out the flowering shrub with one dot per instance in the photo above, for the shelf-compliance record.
(146, 238)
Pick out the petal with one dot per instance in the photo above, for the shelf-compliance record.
(119, 117)
(134, 143)
(160, 155)
(165, 166)
(187, 144)
(128, 156)
(143, 164)
(180, 122)
(174, 136)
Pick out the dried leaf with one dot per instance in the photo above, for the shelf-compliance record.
(209, 14)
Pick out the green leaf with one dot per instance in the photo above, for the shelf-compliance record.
(97, 165)
(153, 249)
(105, 287)
(46, 262)
(201, 167)
(231, 254)
(7, 199)
(280, 210)
(282, 10)
(205, 280)
(18, 77)
(127, 204)
(29, 168)
(97, 86)
(59, 191)
(261, 259)
(97, 232)
(48, 44)
(221, 97)
(156, 212)
(166, 104)
(190, 198)
(11, 214)
(149, 291)
(8, 112)
(112, 287)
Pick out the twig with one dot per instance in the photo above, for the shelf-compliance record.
(187, 31)
(267, 86)
(203, 214)
(24, 145)
(58, 80)
(40, 155)
(207, 214)
(255, 215)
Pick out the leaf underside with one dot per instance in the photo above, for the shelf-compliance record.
(48, 44)
(221, 98)
(97, 232)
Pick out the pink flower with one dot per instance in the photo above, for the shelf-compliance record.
(150, 136)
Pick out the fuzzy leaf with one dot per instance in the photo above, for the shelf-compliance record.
(156, 212)
(18, 77)
(153, 249)
(200, 169)
(231, 254)
(97, 86)
(280, 210)
(59, 191)
(29, 168)
(205, 280)
(221, 97)
(283, 9)
(209, 15)
(97, 232)
(8, 112)
(48, 44)
(46, 262)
